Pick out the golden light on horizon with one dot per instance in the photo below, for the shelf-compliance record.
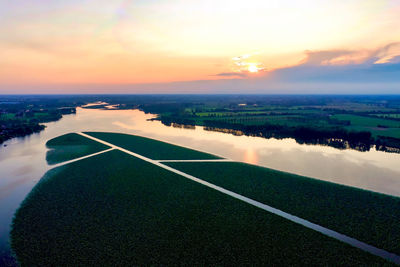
(151, 42)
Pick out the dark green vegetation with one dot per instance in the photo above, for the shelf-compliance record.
(23, 115)
(71, 146)
(151, 148)
(367, 216)
(116, 210)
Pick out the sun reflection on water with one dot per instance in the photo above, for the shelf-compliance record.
(250, 156)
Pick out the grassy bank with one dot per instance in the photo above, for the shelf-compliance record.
(151, 148)
(71, 146)
(371, 217)
(116, 210)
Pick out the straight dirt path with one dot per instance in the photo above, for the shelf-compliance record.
(77, 159)
(328, 232)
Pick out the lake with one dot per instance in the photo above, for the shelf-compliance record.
(23, 160)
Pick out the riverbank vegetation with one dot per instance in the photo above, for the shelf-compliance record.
(117, 210)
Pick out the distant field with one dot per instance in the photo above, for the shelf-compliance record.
(367, 121)
(7, 116)
(39, 116)
(222, 114)
(305, 118)
(116, 210)
(71, 146)
(151, 148)
(390, 115)
(246, 119)
(371, 217)
(376, 126)
(249, 112)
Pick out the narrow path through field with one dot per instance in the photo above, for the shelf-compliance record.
(84, 157)
(336, 235)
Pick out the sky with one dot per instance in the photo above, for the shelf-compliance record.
(208, 46)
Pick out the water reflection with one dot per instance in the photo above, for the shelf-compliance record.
(22, 161)
(360, 141)
(250, 156)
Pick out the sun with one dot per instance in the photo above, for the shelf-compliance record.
(252, 68)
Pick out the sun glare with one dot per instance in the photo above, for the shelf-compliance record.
(253, 68)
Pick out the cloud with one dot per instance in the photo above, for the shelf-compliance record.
(231, 74)
(321, 57)
(318, 73)
(395, 59)
(386, 54)
(240, 58)
(328, 71)
(359, 73)
(241, 64)
(381, 65)
(337, 57)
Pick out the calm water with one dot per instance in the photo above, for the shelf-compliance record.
(22, 161)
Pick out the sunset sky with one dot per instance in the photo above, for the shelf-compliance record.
(207, 46)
